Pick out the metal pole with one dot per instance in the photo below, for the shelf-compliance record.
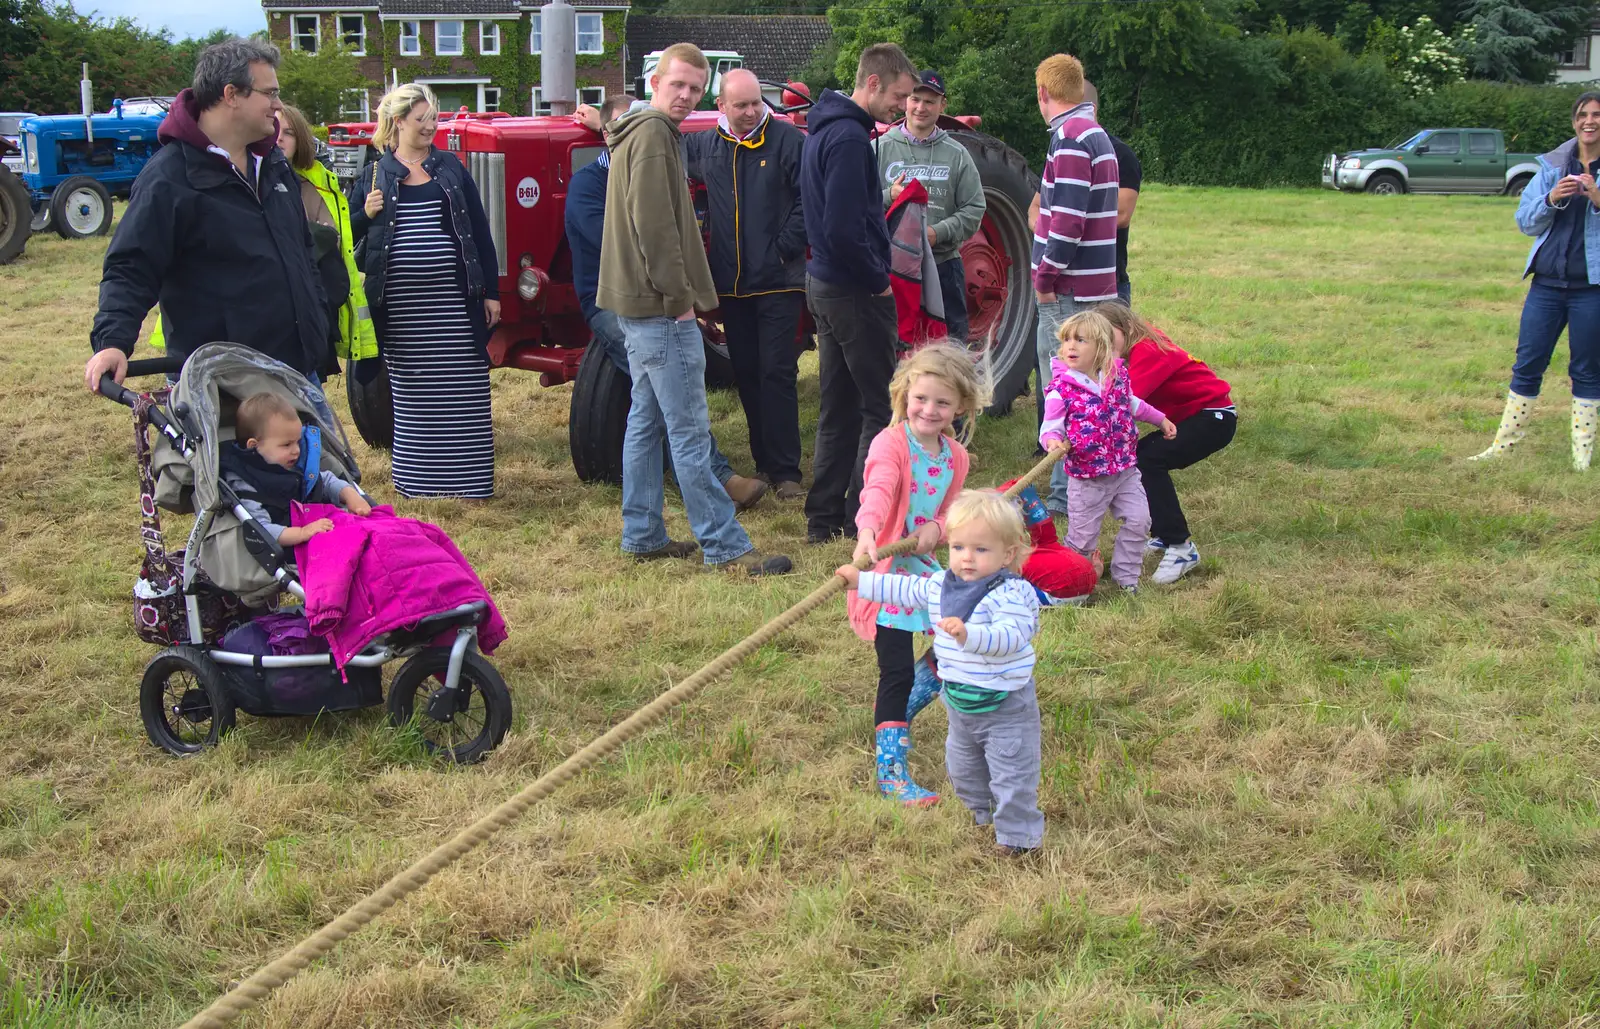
(85, 89)
(558, 61)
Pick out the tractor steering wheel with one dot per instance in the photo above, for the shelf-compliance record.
(783, 87)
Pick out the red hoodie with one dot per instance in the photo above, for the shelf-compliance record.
(1180, 385)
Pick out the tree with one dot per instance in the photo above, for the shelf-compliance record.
(319, 83)
(1518, 40)
(123, 59)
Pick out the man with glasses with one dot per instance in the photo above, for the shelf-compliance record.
(215, 231)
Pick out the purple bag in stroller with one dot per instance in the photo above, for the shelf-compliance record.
(292, 691)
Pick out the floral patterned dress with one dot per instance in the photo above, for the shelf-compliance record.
(930, 479)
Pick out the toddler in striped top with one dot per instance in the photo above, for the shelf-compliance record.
(984, 616)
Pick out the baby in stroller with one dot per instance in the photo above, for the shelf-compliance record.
(266, 471)
(374, 588)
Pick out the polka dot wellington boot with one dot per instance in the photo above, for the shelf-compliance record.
(1584, 414)
(1513, 426)
(894, 778)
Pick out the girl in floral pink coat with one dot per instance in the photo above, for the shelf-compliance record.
(1090, 408)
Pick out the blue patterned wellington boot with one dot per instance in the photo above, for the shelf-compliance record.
(894, 778)
(924, 687)
(1033, 509)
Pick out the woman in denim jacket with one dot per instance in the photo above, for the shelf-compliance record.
(1561, 208)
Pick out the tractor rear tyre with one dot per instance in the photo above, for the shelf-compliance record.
(598, 417)
(999, 279)
(371, 405)
(16, 216)
(81, 207)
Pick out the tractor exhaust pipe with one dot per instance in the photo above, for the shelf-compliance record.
(559, 61)
(85, 94)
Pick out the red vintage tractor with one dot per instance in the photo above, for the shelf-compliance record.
(522, 167)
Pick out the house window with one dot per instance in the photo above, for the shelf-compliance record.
(353, 33)
(1576, 58)
(535, 34)
(539, 106)
(491, 98)
(355, 105)
(410, 38)
(488, 38)
(594, 96)
(305, 35)
(447, 38)
(591, 34)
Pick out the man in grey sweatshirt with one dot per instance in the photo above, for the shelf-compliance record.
(918, 149)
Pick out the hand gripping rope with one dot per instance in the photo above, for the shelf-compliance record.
(254, 990)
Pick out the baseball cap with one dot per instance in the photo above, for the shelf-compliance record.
(932, 80)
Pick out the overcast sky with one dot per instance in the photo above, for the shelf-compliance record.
(184, 17)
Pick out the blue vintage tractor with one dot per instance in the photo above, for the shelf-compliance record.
(72, 172)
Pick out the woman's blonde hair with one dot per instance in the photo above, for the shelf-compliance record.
(1132, 327)
(1001, 516)
(395, 105)
(1095, 330)
(953, 365)
(305, 144)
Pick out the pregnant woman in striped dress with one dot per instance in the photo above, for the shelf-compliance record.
(432, 281)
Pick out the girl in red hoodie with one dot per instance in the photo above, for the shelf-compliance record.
(1197, 401)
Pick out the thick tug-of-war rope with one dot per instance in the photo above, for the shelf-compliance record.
(255, 990)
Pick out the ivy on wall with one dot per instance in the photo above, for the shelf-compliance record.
(514, 71)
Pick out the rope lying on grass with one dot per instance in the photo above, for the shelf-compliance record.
(254, 990)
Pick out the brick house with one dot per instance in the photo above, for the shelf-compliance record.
(478, 54)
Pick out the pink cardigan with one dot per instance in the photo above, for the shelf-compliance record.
(370, 575)
(885, 498)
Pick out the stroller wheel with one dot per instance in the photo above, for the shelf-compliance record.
(184, 701)
(464, 728)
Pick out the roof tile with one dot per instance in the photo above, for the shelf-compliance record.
(775, 47)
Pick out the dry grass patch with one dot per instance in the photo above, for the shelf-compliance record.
(1342, 774)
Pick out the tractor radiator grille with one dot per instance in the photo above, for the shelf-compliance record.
(489, 172)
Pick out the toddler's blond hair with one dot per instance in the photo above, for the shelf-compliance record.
(1001, 516)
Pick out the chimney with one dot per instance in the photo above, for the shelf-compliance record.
(558, 62)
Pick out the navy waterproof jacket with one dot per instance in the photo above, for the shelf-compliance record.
(585, 217)
(842, 198)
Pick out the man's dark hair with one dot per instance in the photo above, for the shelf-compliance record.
(228, 63)
(1585, 97)
(885, 60)
(614, 107)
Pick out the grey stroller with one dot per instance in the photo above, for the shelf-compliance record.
(188, 600)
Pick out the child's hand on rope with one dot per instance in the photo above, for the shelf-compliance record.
(866, 544)
(928, 536)
(955, 628)
(850, 574)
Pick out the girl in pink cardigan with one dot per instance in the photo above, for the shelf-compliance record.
(914, 469)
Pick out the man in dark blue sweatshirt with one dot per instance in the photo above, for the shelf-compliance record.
(847, 280)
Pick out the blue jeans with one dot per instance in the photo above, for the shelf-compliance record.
(667, 359)
(608, 331)
(1125, 293)
(1547, 311)
(1051, 316)
(953, 288)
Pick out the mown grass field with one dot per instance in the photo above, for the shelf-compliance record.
(1345, 774)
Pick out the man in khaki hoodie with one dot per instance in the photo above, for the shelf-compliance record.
(653, 276)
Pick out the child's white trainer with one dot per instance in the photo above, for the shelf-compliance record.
(1176, 563)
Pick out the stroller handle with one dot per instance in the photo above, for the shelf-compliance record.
(113, 390)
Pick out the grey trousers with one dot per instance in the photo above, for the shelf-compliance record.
(993, 762)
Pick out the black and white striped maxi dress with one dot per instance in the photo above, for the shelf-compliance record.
(443, 435)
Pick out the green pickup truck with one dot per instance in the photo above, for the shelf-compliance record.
(1434, 161)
